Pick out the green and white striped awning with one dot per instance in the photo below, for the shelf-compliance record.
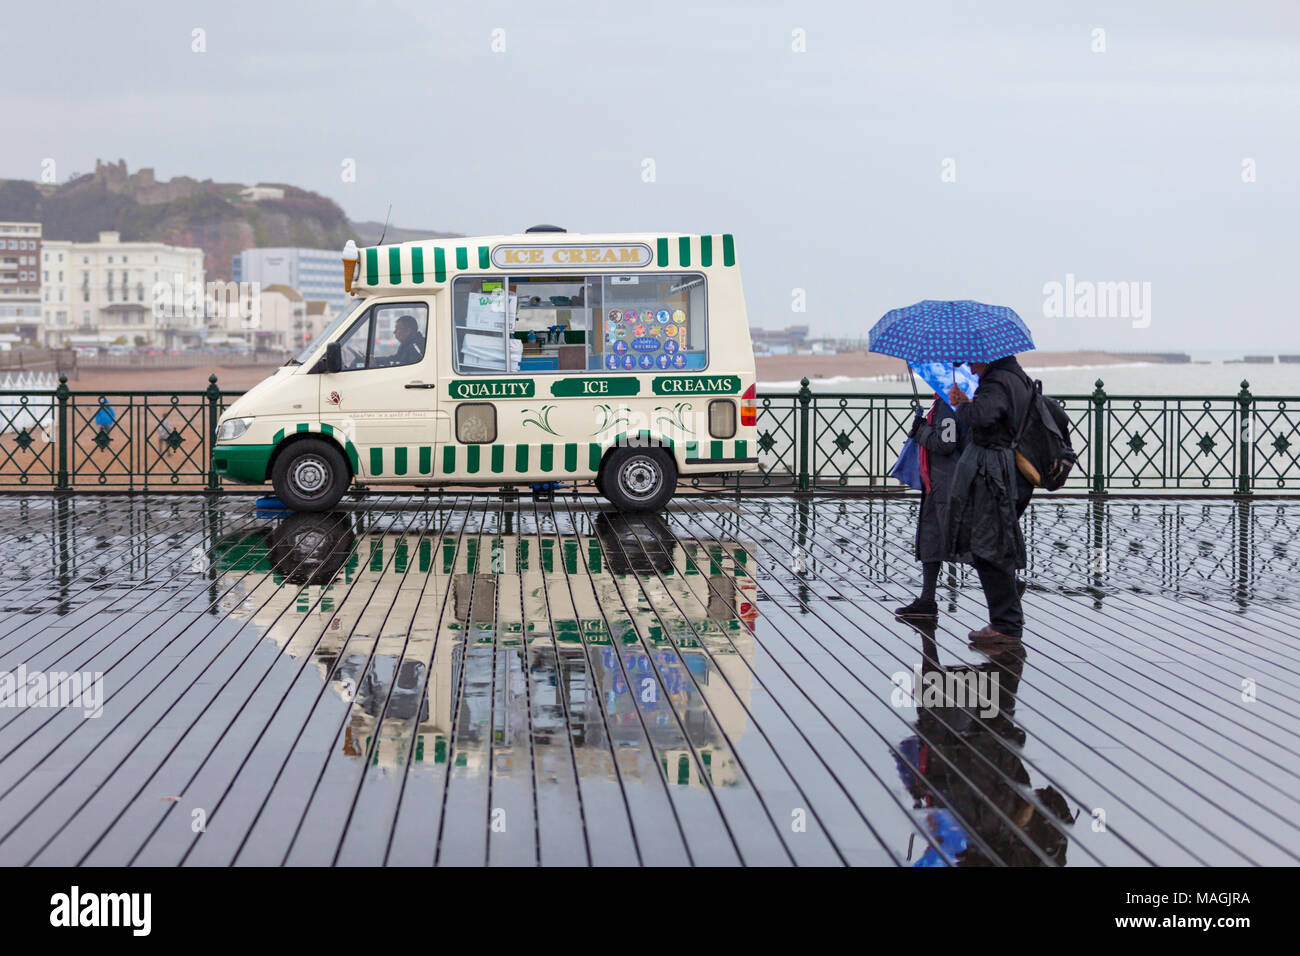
(424, 264)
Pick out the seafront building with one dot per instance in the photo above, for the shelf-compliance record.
(283, 321)
(312, 272)
(103, 293)
(20, 283)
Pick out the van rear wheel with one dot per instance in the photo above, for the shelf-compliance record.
(638, 479)
(310, 475)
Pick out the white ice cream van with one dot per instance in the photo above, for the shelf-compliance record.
(532, 358)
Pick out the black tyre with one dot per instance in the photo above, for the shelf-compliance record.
(638, 479)
(310, 475)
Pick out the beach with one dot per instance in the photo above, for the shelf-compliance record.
(1062, 373)
(236, 379)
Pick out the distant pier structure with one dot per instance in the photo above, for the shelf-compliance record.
(1171, 358)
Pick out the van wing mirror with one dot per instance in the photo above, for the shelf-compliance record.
(334, 357)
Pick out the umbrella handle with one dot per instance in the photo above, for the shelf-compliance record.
(911, 377)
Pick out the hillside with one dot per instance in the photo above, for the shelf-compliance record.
(213, 216)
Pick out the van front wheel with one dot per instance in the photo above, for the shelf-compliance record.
(310, 475)
(638, 479)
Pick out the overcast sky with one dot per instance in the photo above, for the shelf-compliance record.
(827, 165)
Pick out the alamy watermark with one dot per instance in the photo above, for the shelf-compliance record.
(944, 688)
(237, 304)
(24, 688)
(75, 908)
(1085, 299)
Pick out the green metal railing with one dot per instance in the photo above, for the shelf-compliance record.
(1240, 444)
(807, 441)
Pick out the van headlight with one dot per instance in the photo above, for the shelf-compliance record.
(232, 428)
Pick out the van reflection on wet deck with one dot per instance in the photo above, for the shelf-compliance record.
(534, 637)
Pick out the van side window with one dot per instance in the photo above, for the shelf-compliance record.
(557, 323)
(650, 322)
(482, 320)
(401, 334)
(387, 336)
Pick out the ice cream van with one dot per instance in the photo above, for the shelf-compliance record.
(539, 357)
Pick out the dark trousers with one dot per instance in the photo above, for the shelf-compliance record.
(1002, 597)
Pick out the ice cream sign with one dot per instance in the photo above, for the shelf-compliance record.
(620, 255)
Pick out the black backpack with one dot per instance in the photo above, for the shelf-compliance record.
(1042, 446)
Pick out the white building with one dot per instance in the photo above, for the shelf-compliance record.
(284, 323)
(259, 193)
(103, 293)
(20, 280)
(315, 273)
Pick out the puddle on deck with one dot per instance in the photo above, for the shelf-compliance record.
(472, 681)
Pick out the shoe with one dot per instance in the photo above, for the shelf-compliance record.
(921, 607)
(987, 637)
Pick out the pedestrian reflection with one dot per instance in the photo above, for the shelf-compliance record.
(963, 765)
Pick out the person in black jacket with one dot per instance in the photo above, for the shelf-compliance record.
(989, 494)
(942, 439)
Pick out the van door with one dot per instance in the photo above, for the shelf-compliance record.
(384, 400)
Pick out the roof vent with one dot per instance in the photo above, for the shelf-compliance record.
(544, 228)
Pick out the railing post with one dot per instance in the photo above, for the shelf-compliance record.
(214, 413)
(805, 400)
(1244, 399)
(1099, 440)
(62, 393)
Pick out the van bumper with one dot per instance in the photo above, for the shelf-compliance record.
(244, 464)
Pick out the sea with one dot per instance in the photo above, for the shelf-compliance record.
(1208, 373)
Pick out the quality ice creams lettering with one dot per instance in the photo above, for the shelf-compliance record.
(492, 390)
(698, 385)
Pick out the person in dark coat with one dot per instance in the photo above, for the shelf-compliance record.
(941, 439)
(989, 494)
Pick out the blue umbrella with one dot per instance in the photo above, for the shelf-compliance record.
(960, 331)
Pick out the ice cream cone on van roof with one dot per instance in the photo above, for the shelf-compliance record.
(350, 259)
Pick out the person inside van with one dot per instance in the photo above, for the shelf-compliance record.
(411, 347)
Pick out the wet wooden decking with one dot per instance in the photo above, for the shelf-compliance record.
(472, 680)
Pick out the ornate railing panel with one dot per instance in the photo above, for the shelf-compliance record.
(807, 441)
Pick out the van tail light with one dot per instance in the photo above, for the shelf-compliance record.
(749, 406)
(747, 606)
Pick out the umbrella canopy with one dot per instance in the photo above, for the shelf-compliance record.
(940, 376)
(960, 331)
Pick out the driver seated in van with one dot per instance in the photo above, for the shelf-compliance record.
(411, 349)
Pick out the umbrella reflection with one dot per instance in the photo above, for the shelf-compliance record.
(964, 770)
